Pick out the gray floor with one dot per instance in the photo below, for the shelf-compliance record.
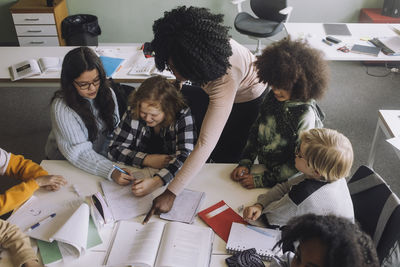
(351, 106)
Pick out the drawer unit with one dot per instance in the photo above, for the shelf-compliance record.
(37, 24)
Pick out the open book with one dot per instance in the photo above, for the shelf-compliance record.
(32, 67)
(71, 227)
(160, 244)
(146, 67)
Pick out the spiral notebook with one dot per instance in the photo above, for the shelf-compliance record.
(242, 237)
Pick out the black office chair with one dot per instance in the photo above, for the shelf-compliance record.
(377, 209)
(271, 14)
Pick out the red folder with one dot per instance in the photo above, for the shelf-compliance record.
(220, 218)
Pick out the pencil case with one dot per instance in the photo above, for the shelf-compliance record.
(100, 210)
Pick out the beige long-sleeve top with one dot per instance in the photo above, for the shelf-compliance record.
(17, 243)
(239, 85)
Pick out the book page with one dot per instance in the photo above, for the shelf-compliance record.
(74, 232)
(135, 244)
(122, 203)
(185, 245)
(185, 207)
(142, 66)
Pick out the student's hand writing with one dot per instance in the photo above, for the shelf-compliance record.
(157, 161)
(161, 204)
(252, 212)
(51, 182)
(238, 173)
(144, 186)
(247, 181)
(122, 178)
(32, 263)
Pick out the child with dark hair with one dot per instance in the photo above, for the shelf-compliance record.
(84, 113)
(325, 241)
(195, 45)
(156, 131)
(297, 75)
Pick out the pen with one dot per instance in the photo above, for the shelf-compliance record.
(327, 42)
(258, 230)
(119, 169)
(45, 220)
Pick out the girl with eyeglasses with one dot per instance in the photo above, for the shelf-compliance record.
(84, 113)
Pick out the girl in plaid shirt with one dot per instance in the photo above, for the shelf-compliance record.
(156, 131)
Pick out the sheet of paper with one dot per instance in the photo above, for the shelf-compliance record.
(394, 142)
(122, 203)
(185, 207)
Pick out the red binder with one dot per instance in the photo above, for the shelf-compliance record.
(220, 218)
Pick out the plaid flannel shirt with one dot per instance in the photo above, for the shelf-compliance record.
(131, 140)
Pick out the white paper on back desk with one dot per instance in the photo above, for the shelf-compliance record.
(69, 226)
(122, 203)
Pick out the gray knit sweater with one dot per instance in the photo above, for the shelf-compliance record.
(69, 139)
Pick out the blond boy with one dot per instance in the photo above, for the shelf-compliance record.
(324, 157)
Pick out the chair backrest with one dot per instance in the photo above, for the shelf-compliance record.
(376, 208)
(269, 9)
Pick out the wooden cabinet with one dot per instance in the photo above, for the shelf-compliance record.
(374, 15)
(37, 24)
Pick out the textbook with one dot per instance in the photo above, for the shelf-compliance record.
(145, 66)
(32, 67)
(160, 244)
(242, 237)
(72, 227)
(111, 64)
(220, 218)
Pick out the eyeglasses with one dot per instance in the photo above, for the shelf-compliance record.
(86, 86)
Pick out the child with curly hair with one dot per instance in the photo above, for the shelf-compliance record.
(324, 156)
(156, 131)
(297, 75)
(328, 241)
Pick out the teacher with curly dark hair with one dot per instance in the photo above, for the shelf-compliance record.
(196, 47)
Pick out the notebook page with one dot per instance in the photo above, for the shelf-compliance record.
(185, 245)
(122, 203)
(241, 237)
(185, 207)
(135, 244)
(142, 65)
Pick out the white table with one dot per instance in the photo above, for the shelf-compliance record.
(314, 33)
(213, 179)
(13, 55)
(389, 123)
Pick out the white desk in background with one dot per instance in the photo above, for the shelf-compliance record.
(213, 179)
(13, 55)
(389, 123)
(314, 33)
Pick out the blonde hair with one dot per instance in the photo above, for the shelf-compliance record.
(160, 93)
(328, 152)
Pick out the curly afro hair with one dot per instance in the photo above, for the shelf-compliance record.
(195, 41)
(346, 245)
(294, 66)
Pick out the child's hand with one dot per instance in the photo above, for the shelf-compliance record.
(238, 173)
(157, 161)
(122, 178)
(144, 186)
(247, 181)
(51, 182)
(252, 212)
